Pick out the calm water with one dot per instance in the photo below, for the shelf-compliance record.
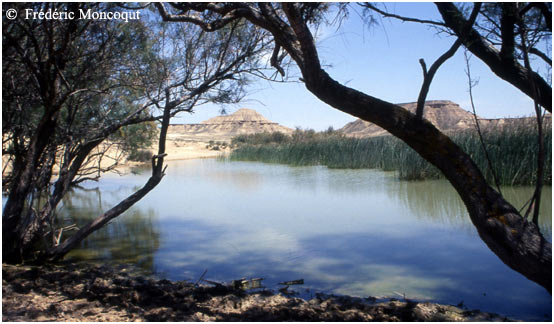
(355, 232)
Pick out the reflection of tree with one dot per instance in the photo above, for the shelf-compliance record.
(432, 200)
(132, 238)
(436, 201)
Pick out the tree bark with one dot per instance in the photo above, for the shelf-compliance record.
(12, 229)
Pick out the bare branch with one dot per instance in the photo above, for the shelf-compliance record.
(274, 60)
(428, 75)
(536, 199)
(540, 54)
(507, 25)
(383, 13)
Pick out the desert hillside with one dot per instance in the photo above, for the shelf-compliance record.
(203, 140)
(223, 128)
(446, 115)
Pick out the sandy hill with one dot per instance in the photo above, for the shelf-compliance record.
(243, 121)
(446, 115)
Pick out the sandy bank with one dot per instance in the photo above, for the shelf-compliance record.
(179, 148)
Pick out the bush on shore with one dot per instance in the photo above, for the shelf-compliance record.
(140, 156)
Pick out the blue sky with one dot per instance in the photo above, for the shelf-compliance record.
(381, 61)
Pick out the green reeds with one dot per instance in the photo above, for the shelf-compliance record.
(512, 149)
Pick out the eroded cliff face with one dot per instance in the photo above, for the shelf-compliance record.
(243, 121)
(446, 115)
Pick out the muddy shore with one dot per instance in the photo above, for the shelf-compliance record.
(99, 293)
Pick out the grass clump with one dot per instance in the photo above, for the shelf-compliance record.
(512, 149)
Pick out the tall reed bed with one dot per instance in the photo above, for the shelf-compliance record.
(512, 150)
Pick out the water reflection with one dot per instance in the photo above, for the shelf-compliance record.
(133, 238)
(356, 232)
(437, 202)
(243, 180)
(519, 197)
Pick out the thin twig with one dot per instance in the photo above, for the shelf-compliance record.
(536, 199)
(477, 126)
(201, 277)
(402, 18)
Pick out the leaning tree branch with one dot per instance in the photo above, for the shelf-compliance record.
(275, 60)
(59, 251)
(507, 33)
(477, 125)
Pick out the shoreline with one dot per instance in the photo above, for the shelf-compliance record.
(177, 149)
(81, 292)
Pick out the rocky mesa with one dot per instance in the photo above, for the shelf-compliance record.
(446, 115)
(210, 138)
(223, 128)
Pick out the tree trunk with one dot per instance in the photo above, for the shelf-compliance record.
(13, 218)
(517, 242)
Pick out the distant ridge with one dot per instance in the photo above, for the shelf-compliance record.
(243, 121)
(446, 115)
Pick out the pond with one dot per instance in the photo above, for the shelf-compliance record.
(353, 232)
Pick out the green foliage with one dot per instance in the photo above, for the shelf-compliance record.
(99, 58)
(140, 156)
(513, 151)
(259, 138)
(133, 138)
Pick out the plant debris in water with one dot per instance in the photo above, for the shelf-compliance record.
(99, 293)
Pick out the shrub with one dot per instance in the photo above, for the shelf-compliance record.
(140, 156)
